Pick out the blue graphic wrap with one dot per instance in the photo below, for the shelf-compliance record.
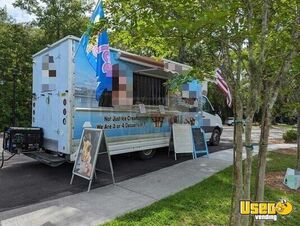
(97, 52)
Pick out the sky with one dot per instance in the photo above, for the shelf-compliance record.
(21, 15)
(18, 14)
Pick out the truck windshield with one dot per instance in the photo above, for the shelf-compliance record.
(207, 106)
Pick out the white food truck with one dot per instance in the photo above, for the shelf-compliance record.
(136, 115)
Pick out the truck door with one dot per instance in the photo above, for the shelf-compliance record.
(49, 115)
(210, 119)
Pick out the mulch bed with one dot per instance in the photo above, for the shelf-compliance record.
(275, 180)
(276, 141)
(287, 151)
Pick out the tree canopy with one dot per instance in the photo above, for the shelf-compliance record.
(19, 41)
(57, 18)
(256, 43)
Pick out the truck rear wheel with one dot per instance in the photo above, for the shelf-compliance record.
(146, 154)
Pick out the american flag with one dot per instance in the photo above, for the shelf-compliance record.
(223, 86)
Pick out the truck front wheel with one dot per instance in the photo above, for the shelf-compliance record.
(215, 137)
(146, 154)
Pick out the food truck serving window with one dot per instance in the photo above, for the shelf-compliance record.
(148, 90)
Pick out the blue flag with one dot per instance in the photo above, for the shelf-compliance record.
(98, 54)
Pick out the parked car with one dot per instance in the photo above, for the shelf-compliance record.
(230, 121)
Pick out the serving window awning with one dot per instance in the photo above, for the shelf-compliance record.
(154, 65)
(155, 72)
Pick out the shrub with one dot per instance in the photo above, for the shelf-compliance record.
(290, 136)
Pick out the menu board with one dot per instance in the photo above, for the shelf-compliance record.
(200, 145)
(182, 139)
(199, 139)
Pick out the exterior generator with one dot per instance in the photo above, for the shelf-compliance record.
(18, 140)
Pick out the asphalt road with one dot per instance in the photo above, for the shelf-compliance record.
(276, 133)
(24, 181)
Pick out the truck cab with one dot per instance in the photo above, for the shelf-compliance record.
(212, 122)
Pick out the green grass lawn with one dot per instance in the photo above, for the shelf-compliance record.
(208, 202)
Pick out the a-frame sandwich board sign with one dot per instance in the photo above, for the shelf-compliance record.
(182, 139)
(92, 149)
(199, 141)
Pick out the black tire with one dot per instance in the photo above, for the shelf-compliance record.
(146, 154)
(215, 137)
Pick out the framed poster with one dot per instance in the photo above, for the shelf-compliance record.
(87, 153)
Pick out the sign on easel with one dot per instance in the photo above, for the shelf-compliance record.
(92, 147)
(200, 145)
(182, 139)
(292, 179)
(185, 139)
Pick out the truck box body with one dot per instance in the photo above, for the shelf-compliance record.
(64, 84)
(53, 73)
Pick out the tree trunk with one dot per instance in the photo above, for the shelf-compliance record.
(238, 164)
(235, 217)
(248, 162)
(298, 139)
(269, 101)
(262, 158)
(254, 71)
(233, 173)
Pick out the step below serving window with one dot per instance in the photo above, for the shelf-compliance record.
(149, 90)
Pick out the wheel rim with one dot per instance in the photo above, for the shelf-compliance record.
(147, 152)
(216, 138)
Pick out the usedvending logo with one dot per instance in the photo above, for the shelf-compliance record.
(265, 210)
